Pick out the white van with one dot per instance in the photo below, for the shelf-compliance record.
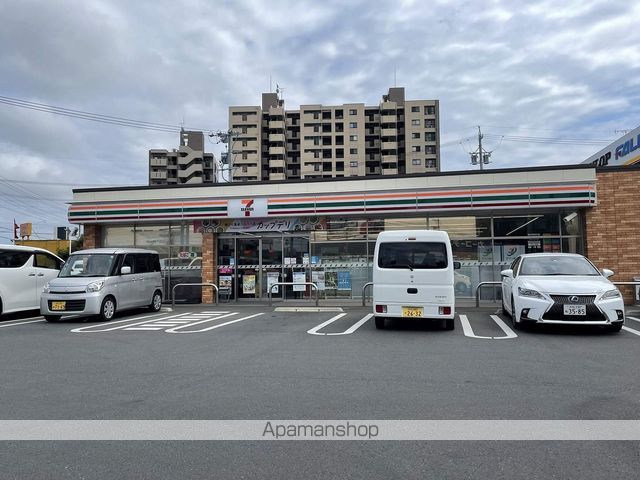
(413, 276)
(103, 280)
(24, 271)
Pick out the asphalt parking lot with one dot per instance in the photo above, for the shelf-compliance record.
(253, 362)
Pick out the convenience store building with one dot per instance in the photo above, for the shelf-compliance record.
(246, 236)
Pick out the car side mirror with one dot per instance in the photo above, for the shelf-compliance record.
(125, 270)
(607, 273)
(456, 265)
(507, 273)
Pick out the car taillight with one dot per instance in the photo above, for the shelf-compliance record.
(444, 310)
(381, 309)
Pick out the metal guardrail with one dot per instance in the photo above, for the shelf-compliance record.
(313, 285)
(483, 284)
(364, 287)
(173, 290)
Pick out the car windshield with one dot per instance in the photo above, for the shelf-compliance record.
(90, 265)
(412, 255)
(557, 266)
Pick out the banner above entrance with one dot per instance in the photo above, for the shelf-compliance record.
(260, 225)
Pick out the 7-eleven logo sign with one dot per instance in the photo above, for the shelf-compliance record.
(247, 207)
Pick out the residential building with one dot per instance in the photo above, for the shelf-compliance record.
(397, 136)
(188, 164)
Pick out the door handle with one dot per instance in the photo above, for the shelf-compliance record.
(32, 274)
(41, 274)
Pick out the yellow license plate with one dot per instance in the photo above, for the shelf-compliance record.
(412, 311)
(58, 305)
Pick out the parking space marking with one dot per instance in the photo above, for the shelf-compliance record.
(177, 329)
(22, 322)
(468, 330)
(314, 330)
(355, 326)
(86, 329)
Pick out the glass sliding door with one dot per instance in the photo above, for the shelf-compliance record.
(271, 265)
(248, 267)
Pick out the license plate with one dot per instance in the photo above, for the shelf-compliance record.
(412, 311)
(575, 310)
(58, 305)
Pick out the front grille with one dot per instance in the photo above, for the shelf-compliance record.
(70, 305)
(67, 293)
(556, 312)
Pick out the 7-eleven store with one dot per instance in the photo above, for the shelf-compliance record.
(246, 236)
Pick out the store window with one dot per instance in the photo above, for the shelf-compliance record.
(462, 227)
(118, 236)
(526, 225)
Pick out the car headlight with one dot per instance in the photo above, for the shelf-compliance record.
(95, 286)
(527, 292)
(47, 288)
(615, 293)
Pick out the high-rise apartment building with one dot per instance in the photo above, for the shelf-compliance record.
(397, 136)
(187, 164)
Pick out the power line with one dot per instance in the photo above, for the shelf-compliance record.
(549, 140)
(94, 117)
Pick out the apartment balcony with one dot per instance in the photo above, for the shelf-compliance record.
(390, 171)
(158, 175)
(277, 163)
(388, 132)
(389, 158)
(388, 119)
(277, 124)
(250, 172)
(389, 145)
(277, 176)
(158, 162)
(277, 137)
(277, 151)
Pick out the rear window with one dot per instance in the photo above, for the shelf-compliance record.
(13, 259)
(412, 255)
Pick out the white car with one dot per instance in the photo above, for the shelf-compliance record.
(560, 288)
(24, 271)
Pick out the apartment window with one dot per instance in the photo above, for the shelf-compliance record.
(326, 153)
(429, 123)
(244, 169)
(416, 161)
(353, 151)
(244, 156)
(339, 152)
(326, 166)
(415, 122)
(415, 109)
(415, 148)
(430, 163)
(326, 140)
(316, 115)
(339, 127)
(326, 128)
(430, 149)
(353, 138)
(430, 136)
(353, 163)
(244, 118)
(339, 114)
(415, 135)
(353, 111)
(430, 110)
(244, 143)
(326, 115)
(353, 124)
(316, 128)
(244, 129)
(339, 139)
(339, 166)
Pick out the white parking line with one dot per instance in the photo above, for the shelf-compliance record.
(634, 318)
(86, 329)
(630, 330)
(355, 326)
(314, 330)
(468, 331)
(21, 323)
(176, 329)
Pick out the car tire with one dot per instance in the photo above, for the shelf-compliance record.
(107, 309)
(615, 328)
(449, 324)
(380, 323)
(52, 318)
(516, 325)
(156, 301)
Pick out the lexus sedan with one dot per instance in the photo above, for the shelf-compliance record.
(560, 288)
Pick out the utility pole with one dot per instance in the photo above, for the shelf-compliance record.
(480, 156)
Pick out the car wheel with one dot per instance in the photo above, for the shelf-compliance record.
(380, 323)
(516, 324)
(449, 324)
(616, 327)
(52, 318)
(108, 309)
(156, 302)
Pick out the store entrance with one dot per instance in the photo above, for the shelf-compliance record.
(249, 264)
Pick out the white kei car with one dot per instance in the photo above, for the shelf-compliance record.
(560, 288)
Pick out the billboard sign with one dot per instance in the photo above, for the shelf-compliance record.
(624, 151)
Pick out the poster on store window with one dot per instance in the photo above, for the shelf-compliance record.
(224, 282)
(299, 277)
(344, 280)
(318, 279)
(331, 280)
(272, 278)
(511, 252)
(248, 284)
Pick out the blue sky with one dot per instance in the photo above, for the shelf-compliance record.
(547, 69)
